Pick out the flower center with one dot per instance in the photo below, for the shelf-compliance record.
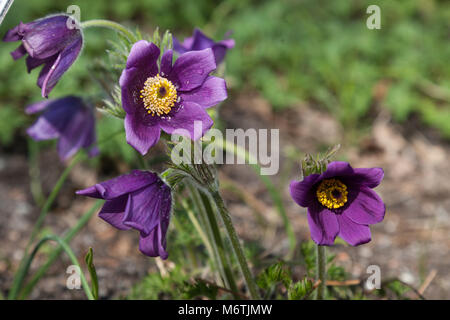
(332, 193)
(159, 95)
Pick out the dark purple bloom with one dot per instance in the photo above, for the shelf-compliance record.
(68, 119)
(341, 202)
(172, 98)
(50, 42)
(141, 201)
(199, 42)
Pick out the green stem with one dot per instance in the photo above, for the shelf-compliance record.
(211, 217)
(68, 251)
(273, 191)
(37, 226)
(321, 272)
(235, 244)
(55, 191)
(34, 172)
(190, 249)
(47, 205)
(210, 223)
(110, 25)
(57, 251)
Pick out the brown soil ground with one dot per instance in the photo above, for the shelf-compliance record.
(411, 244)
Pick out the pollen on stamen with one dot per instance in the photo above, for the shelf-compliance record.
(332, 193)
(159, 95)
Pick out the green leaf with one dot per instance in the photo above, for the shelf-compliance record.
(200, 288)
(273, 275)
(300, 289)
(89, 258)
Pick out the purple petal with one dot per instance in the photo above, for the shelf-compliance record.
(144, 211)
(144, 55)
(12, 35)
(49, 36)
(76, 133)
(227, 43)
(53, 70)
(17, 33)
(323, 225)
(140, 136)
(43, 129)
(113, 211)
(38, 106)
(57, 116)
(154, 244)
(190, 120)
(34, 62)
(180, 47)
(370, 177)
(131, 83)
(141, 64)
(219, 53)
(353, 233)
(19, 52)
(337, 169)
(192, 68)
(200, 41)
(119, 186)
(302, 191)
(367, 208)
(166, 63)
(210, 93)
(91, 138)
(220, 49)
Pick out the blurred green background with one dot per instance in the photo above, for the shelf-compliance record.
(290, 51)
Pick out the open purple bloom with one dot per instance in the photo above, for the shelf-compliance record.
(168, 98)
(49, 42)
(199, 42)
(141, 201)
(341, 202)
(68, 119)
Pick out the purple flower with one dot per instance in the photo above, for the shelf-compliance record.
(172, 98)
(141, 201)
(50, 42)
(67, 119)
(199, 42)
(341, 202)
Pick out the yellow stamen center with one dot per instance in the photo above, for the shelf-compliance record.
(332, 193)
(159, 95)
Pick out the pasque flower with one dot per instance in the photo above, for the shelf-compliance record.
(141, 201)
(68, 119)
(49, 42)
(199, 41)
(170, 97)
(341, 202)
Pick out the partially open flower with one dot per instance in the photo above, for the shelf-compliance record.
(199, 42)
(141, 201)
(340, 202)
(68, 119)
(48, 41)
(170, 97)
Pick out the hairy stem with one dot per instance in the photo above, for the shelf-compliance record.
(22, 274)
(211, 225)
(110, 25)
(57, 251)
(236, 245)
(321, 272)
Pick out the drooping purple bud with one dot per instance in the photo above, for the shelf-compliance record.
(69, 120)
(53, 41)
(200, 41)
(141, 201)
